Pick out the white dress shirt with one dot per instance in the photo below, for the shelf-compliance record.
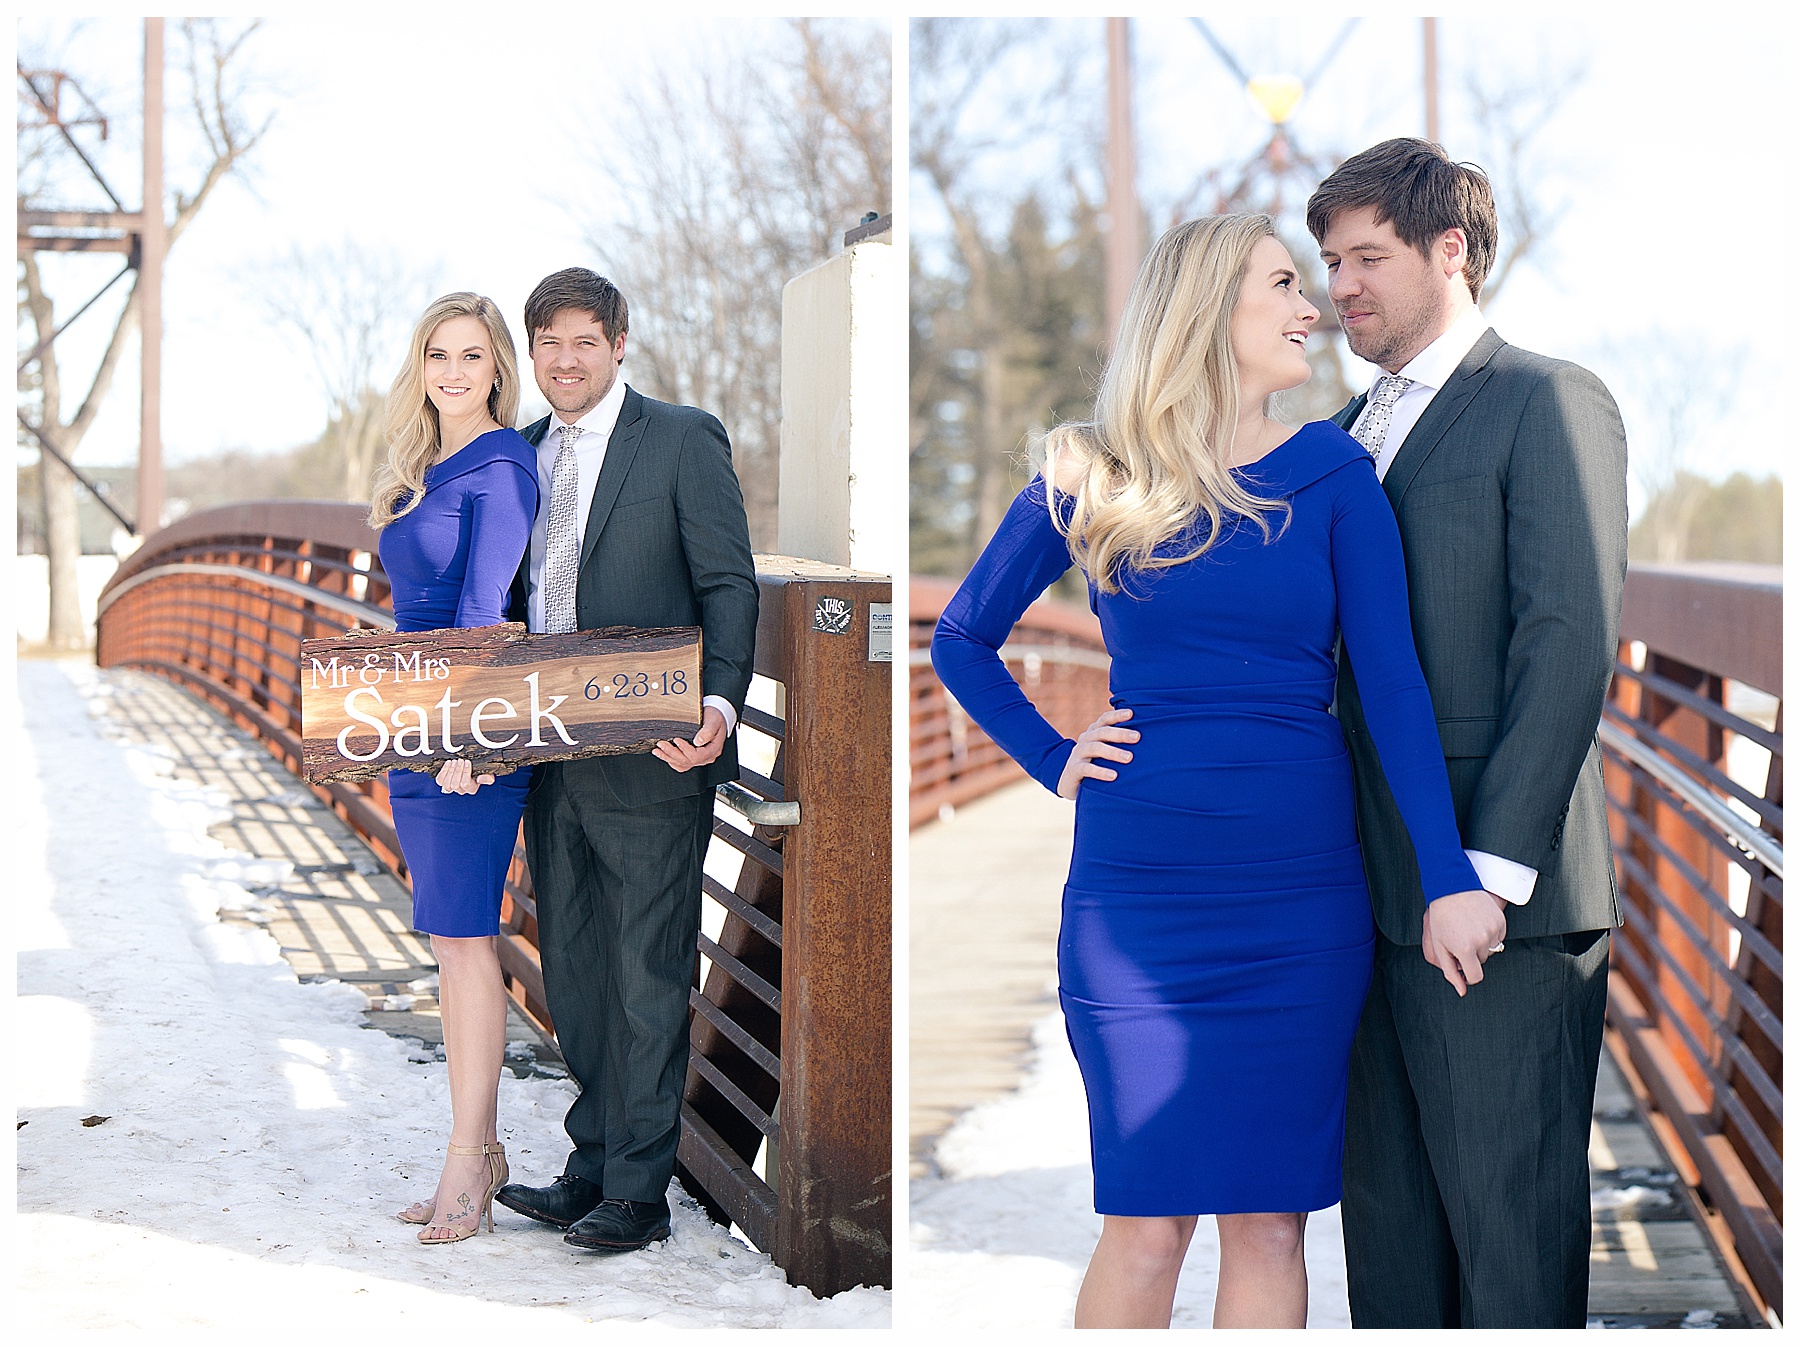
(1430, 370)
(590, 454)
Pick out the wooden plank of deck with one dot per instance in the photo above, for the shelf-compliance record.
(1649, 1264)
(986, 897)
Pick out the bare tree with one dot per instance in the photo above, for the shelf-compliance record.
(742, 173)
(1509, 113)
(211, 59)
(953, 65)
(352, 308)
(1505, 113)
(1673, 392)
(982, 94)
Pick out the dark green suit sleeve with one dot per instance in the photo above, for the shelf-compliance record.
(715, 539)
(1565, 561)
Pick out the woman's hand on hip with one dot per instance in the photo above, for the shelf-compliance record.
(457, 777)
(1098, 740)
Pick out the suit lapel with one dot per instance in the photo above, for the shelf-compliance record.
(620, 450)
(1449, 403)
(533, 435)
(1347, 417)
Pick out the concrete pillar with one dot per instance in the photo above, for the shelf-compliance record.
(843, 411)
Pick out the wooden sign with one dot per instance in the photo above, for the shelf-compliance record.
(371, 701)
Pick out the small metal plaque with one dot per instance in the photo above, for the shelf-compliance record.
(881, 633)
(833, 615)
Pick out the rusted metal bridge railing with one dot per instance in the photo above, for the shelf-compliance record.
(1692, 740)
(1692, 737)
(791, 1016)
(1057, 655)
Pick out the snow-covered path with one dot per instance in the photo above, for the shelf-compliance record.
(1001, 1237)
(257, 1137)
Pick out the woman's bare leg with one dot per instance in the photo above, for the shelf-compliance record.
(1262, 1271)
(472, 1001)
(1130, 1280)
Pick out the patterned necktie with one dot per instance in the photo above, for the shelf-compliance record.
(562, 537)
(1372, 433)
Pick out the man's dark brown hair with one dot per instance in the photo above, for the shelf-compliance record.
(578, 288)
(1417, 187)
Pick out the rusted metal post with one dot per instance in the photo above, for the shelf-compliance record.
(1705, 740)
(1124, 241)
(150, 268)
(1431, 79)
(836, 1156)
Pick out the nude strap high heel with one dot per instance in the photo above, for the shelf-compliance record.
(420, 1212)
(495, 1153)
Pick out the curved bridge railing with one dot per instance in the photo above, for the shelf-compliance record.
(219, 603)
(1057, 655)
(1692, 741)
(791, 1002)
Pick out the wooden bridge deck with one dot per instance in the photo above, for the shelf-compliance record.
(985, 889)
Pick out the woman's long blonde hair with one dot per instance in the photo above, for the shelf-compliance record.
(1156, 453)
(412, 422)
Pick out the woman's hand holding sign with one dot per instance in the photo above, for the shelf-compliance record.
(457, 777)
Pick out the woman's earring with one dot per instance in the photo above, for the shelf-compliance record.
(496, 384)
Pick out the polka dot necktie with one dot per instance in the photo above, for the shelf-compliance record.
(1372, 433)
(562, 537)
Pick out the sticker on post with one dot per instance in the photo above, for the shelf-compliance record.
(833, 615)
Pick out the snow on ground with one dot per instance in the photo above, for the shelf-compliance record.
(1002, 1237)
(257, 1139)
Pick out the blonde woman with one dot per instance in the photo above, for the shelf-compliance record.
(454, 504)
(1216, 932)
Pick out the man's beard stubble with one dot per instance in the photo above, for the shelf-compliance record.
(1396, 342)
(578, 399)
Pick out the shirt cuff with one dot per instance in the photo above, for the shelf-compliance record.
(724, 708)
(1505, 879)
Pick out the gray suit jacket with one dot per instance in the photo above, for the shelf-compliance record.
(1510, 494)
(666, 544)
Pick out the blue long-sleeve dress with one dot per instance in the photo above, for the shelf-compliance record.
(1216, 937)
(450, 562)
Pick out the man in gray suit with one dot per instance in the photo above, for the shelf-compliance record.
(1472, 1085)
(641, 523)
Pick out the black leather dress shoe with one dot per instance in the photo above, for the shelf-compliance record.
(562, 1203)
(617, 1225)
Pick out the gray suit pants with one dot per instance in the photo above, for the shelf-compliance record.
(1465, 1156)
(618, 904)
